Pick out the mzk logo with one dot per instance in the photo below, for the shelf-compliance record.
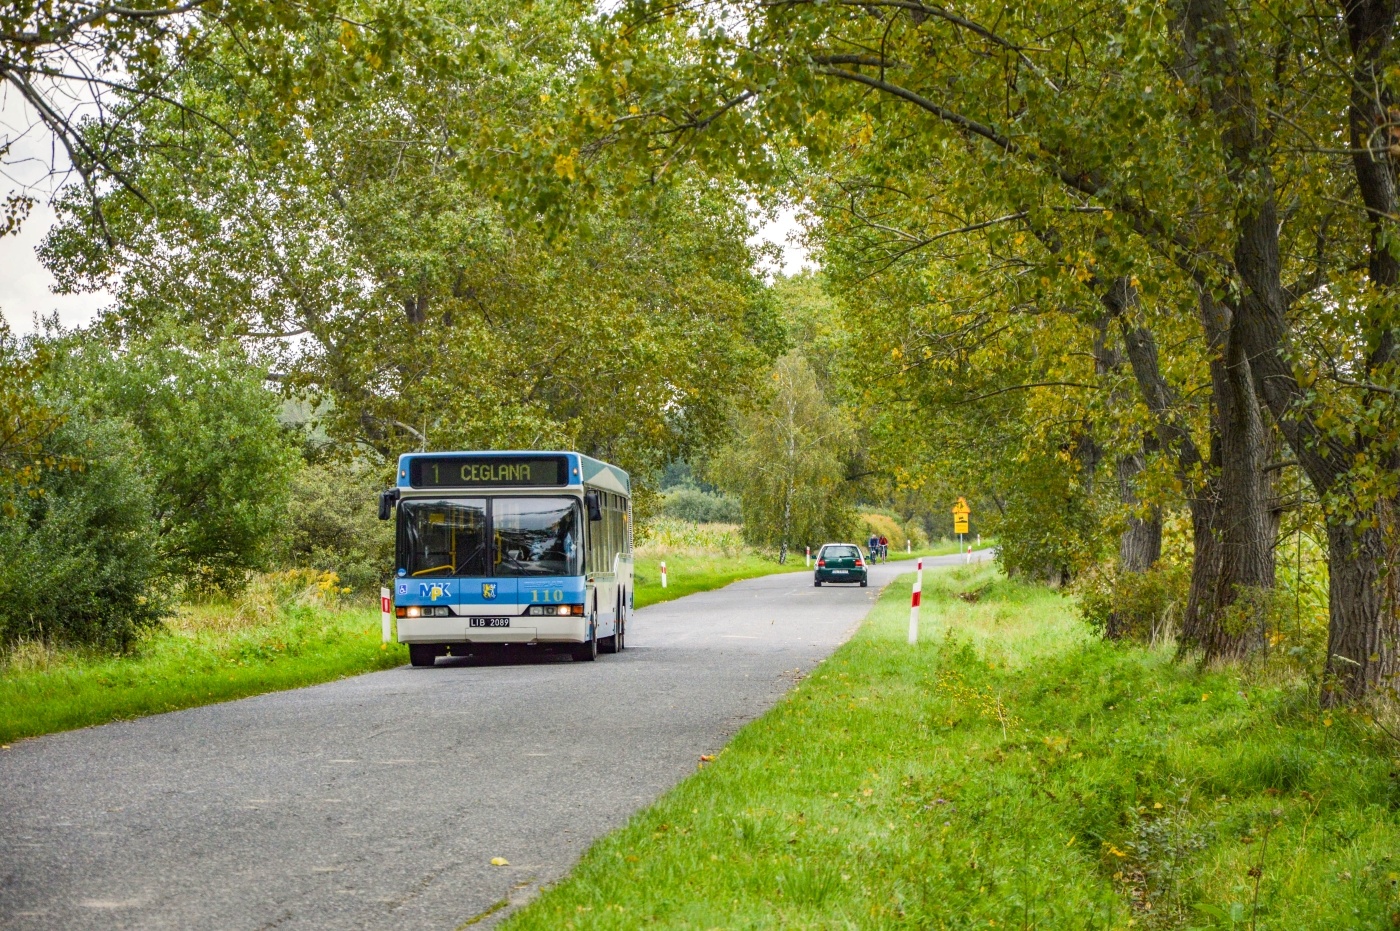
(434, 591)
(488, 591)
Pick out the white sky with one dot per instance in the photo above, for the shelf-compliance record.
(25, 285)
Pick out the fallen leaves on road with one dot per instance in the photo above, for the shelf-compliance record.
(499, 861)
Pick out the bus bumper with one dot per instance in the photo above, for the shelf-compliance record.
(457, 630)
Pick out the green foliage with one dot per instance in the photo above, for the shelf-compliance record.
(211, 451)
(1138, 606)
(333, 525)
(1009, 772)
(81, 556)
(692, 504)
(426, 312)
(26, 423)
(787, 463)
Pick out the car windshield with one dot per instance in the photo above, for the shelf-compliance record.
(443, 537)
(537, 536)
(840, 552)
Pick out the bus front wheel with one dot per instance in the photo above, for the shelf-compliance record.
(587, 652)
(422, 654)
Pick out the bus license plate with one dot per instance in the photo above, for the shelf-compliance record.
(489, 622)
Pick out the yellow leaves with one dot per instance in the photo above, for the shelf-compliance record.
(348, 36)
(896, 353)
(499, 861)
(1205, 696)
(1114, 851)
(564, 165)
(1156, 805)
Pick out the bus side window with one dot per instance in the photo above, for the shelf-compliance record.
(615, 521)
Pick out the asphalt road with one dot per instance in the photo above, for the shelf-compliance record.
(379, 801)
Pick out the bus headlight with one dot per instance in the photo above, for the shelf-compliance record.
(555, 610)
(413, 611)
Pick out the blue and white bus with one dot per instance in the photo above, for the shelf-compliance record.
(502, 548)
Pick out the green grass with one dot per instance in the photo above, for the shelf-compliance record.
(207, 654)
(691, 572)
(1011, 772)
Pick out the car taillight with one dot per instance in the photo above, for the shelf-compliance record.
(859, 562)
(821, 563)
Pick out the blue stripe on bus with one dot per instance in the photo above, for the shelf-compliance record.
(481, 591)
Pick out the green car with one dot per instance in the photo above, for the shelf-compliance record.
(840, 562)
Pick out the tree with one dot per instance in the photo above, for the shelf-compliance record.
(787, 463)
(214, 458)
(1213, 111)
(371, 255)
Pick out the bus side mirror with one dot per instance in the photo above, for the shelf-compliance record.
(595, 510)
(387, 500)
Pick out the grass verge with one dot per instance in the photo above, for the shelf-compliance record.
(277, 636)
(1009, 771)
(688, 573)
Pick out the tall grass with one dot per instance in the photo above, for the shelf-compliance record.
(285, 630)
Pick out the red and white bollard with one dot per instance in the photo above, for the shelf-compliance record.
(386, 614)
(914, 605)
(809, 556)
(663, 575)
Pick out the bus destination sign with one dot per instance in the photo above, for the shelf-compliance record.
(488, 471)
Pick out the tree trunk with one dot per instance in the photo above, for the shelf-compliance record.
(1235, 627)
(1230, 516)
(1140, 544)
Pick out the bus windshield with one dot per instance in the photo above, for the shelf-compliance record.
(443, 537)
(536, 536)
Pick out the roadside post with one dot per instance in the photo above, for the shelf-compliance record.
(908, 547)
(914, 605)
(386, 614)
(961, 512)
(809, 557)
(663, 575)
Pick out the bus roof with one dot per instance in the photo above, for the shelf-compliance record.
(580, 470)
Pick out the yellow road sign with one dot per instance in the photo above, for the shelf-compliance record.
(960, 514)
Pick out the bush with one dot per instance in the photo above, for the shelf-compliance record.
(209, 444)
(81, 556)
(700, 507)
(1139, 606)
(333, 525)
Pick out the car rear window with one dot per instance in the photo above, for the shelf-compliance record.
(839, 552)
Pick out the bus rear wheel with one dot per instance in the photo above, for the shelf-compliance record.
(422, 654)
